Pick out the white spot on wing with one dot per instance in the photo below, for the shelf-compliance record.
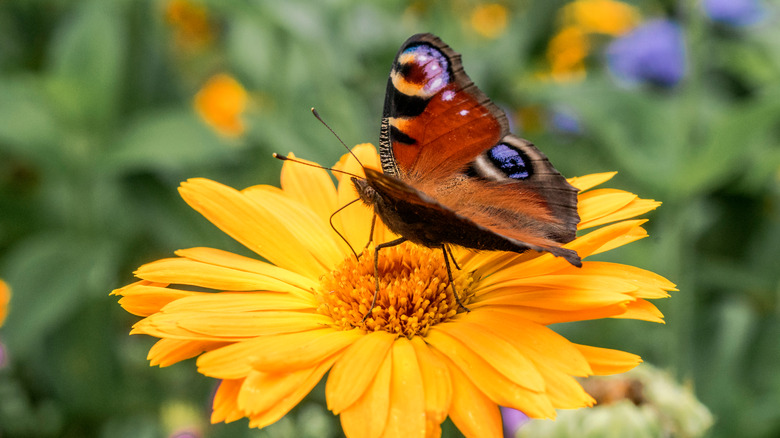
(448, 95)
(463, 112)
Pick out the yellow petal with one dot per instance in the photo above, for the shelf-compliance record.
(255, 226)
(473, 412)
(495, 385)
(235, 327)
(291, 390)
(311, 186)
(642, 310)
(301, 350)
(531, 339)
(606, 238)
(194, 273)
(355, 369)
(631, 236)
(226, 402)
(407, 398)
(554, 299)
(605, 361)
(235, 361)
(596, 204)
(142, 299)
(167, 352)
(589, 181)
(367, 417)
(632, 209)
(230, 260)
(437, 382)
(553, 316)
(648, 284)
(310, 230)
(563, 390)
(240, 302)
(500, 354)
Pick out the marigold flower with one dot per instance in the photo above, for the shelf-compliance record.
(490, 20)
(221, 103)
(5, 298)
(273, 329)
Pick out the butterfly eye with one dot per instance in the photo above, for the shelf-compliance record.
(512, 161)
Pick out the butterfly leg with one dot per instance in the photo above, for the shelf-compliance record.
(452, 257)
(389, 244)
(445, 251)
(371, 232)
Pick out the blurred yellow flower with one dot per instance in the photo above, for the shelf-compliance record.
(601, 16)
(221, 103)
(271, 330)
(190, 22)
(489, 20)
(570, 46)
(566, 54)
(5, 298)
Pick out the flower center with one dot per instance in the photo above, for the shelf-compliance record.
(414, 291)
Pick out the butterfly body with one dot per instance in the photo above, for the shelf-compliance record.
(452, 173)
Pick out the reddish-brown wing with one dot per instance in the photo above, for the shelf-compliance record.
(453, 170)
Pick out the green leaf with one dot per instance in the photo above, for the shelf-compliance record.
(166, 140)
(87, 61)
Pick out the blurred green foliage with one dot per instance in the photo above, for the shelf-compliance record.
(97, 128)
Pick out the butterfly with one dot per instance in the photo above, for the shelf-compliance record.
(452, 173)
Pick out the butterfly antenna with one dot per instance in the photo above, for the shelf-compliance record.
(357, 257)
(317, 115)
(283, 158)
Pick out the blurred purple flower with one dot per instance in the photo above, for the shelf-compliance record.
(186, 434)
(566, 121)
(652, 53)
(734, 12)
(513, 419)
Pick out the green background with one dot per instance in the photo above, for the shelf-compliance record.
(97, 129)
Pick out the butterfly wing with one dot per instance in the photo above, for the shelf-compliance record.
(423, 220)
(442, 136)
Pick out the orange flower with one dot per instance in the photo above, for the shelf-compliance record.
(601, 16)
(190, 22)
(273, 329)
(5, 298)
(489, 20)
(221, 102)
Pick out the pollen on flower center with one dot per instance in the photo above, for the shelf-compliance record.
(414, 291)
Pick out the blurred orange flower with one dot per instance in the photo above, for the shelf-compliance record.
(190, 22)
(221, 102)
(5, 297)
(601, 16)
(489, 20)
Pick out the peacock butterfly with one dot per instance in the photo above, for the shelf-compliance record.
(452, 173)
